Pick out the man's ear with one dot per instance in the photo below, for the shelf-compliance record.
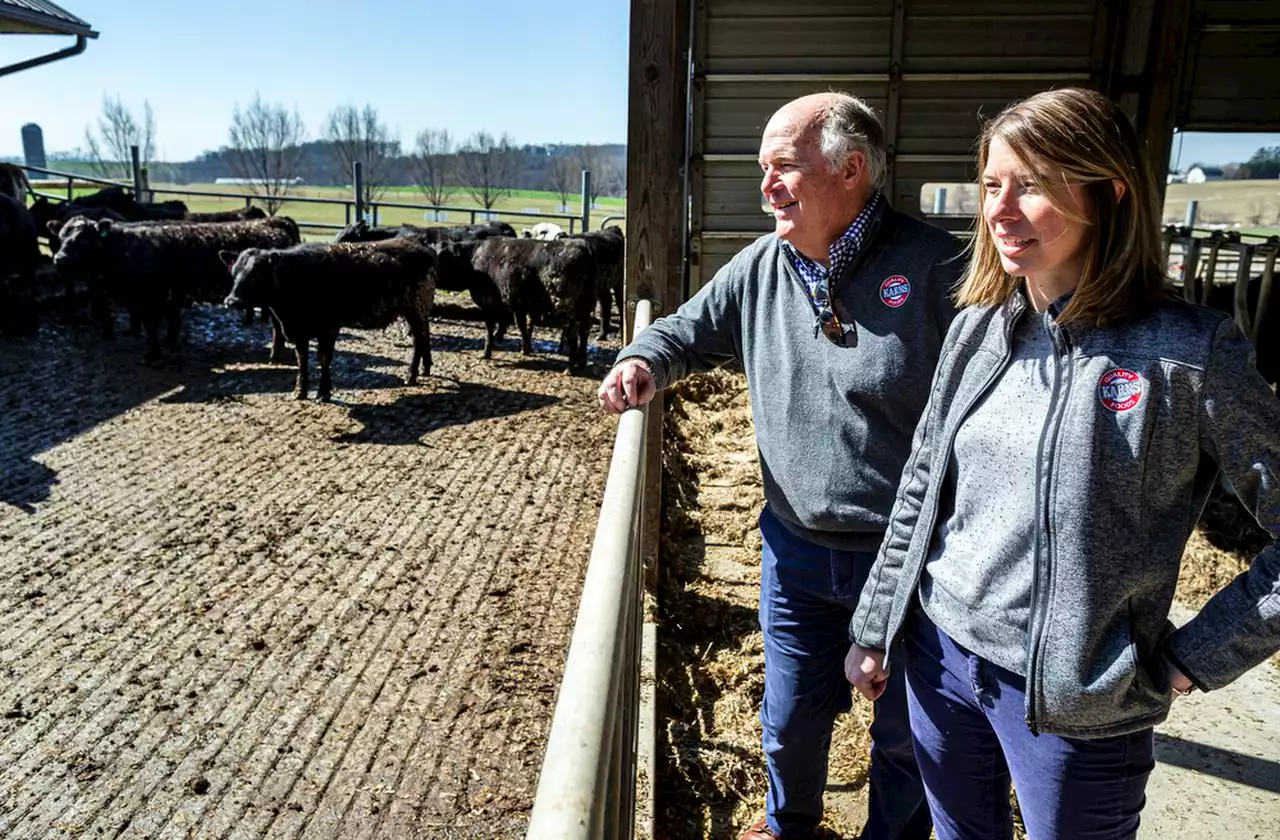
(854, 169)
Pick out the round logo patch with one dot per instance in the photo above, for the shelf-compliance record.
(1120, 389)
(895, 290)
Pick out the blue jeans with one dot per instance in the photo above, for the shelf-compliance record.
(968, 718)
(807, 597)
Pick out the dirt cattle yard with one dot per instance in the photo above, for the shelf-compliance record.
(227, 614)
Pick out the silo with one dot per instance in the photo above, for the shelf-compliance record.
(33, 148)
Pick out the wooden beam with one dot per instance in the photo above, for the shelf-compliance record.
(1161, 94)
(657, 93)
(655, 151)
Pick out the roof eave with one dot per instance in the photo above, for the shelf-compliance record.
(41, 24)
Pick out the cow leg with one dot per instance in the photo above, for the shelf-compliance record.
(301, 347)
(100, 307)
(421, 348)
(490, 328)
(150, 322)
(324, 358)
(584, 331)
(136, 316)
(277, 338)
(526, 332)
(173, 317)
(606, 305)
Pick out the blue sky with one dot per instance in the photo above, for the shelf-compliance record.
(553, 72)
(542, 72)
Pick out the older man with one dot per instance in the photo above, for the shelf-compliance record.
(837, 318)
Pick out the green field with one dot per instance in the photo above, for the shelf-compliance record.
(336, 214)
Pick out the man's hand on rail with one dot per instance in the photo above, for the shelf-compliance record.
(628, 385)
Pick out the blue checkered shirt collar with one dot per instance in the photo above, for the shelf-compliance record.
(839, 255)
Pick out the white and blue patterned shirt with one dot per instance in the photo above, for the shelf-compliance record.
(841, 253)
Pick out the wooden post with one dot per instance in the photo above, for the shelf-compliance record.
(656, 219)
(655, 149)
(1161, 98)
(357, 186)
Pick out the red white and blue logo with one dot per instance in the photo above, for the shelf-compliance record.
(1120, 389)
(895, 290)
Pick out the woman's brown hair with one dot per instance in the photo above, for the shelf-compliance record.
(1079, 136)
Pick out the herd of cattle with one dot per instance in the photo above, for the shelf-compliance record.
(156, 258)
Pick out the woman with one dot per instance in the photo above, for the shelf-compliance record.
(1077, 422)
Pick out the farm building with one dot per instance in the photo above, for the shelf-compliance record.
(1201, 174)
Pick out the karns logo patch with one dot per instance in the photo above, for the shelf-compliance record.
(1120, 389)
(895, 290)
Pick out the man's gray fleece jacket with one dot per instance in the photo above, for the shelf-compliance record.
(833, 424)
(1143, 415)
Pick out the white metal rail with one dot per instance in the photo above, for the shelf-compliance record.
(588, 780)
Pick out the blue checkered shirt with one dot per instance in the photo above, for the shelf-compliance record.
(842, 251)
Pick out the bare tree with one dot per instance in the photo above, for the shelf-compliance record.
(361, 135)
(266, 150)
(562, 178)
(117, 130)
(487, 168)
(431, 164)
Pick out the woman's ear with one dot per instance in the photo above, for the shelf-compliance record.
(1119, 187)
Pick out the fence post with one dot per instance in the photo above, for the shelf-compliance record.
(1192, 207)
(357, 181)
(136, 165)
(940, 201)
(586, 200)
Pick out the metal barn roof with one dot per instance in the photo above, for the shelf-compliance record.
(40, 17)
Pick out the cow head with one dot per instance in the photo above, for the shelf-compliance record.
(253, 276)
(83, 243)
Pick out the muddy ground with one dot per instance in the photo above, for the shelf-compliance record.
(228, 614)
(710, 774)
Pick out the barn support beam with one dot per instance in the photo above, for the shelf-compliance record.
(656, 207)
(1167, 68)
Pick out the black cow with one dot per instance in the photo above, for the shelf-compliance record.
(363, 232)
(538, 278)
(456, 272)
(315, 290)
(156, 269)
(19, 257)
(244, 214)
(131, 209)
(609, 247)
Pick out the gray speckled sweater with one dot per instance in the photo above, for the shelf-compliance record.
(833, 424)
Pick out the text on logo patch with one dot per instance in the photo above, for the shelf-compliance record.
(895, 290)
(1120, 389)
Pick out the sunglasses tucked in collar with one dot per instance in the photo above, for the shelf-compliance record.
(817, 279)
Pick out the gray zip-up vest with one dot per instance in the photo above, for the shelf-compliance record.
(1142, 415)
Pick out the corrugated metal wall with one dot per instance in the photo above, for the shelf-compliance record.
(1234, 48)
(933, 69)
(930, 68)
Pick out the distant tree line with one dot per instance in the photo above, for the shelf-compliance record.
(269, 146)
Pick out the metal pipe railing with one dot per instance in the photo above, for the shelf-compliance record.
(1225, 255)
(346, 203)
(586, 789)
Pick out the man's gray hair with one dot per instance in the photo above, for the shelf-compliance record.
(850, 125)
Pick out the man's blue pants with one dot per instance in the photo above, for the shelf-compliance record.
(807, 596)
